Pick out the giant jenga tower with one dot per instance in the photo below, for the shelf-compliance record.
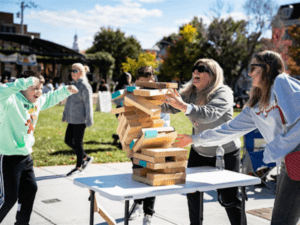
(144, 137)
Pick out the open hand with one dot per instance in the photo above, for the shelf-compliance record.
(36, 81)
(72, 89)
(175, 100)
(183, 140)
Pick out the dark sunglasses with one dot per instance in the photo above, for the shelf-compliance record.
(252, 66)
(74, 71)
(201, 69)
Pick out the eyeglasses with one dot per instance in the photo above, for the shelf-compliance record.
(201, 69)
(74, 71)
(252, 66)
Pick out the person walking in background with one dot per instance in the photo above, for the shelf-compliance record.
(207, 102)
(21, 103)
(146, 74)
(124, 81)
(103, 86)
(274, 109)
(78, 113)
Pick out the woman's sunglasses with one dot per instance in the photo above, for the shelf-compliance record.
(201, 69)
(74, 71)
(252, 66)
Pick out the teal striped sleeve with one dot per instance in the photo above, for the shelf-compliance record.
(53, 97)
(9, 89)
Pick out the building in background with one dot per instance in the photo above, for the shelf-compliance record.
(7, 25)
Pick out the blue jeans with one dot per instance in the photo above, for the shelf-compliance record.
(287, 201)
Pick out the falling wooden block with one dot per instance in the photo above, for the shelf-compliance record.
(156, 85)
(164, 152)
(150, 93)
(123, 110)
(156, 166)
(162, 140)
(142, 104)
(103, 213)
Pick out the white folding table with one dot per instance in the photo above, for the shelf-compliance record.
(121, 187)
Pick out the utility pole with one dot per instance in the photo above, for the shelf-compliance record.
(23, 6)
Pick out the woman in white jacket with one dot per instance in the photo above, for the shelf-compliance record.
(273, 108)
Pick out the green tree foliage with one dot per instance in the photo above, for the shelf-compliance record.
(118, 45)
(145, 59)
(103, 61)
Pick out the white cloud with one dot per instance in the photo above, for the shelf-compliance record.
(115, 16)
(164, 31)
(235, 16)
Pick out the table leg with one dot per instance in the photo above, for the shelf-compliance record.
(243, 206)
(126, 218)
(201, 209)
(92, 199)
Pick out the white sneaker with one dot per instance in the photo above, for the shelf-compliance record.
(136, 212)
(75, 171)
(147, 219)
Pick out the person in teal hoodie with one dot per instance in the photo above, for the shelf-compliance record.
(20, 105)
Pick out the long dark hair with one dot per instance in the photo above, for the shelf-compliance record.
(123, 81)
(274, 65)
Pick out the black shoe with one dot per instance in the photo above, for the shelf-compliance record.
(74, 172)
(87, 162)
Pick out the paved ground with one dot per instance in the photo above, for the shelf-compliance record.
(69, 204)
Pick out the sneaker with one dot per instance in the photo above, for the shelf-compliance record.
(87, 162)
(147, 219)
(74, 172)
(136, 212)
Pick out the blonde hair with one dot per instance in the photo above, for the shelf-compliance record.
(274, 65)
(83, 69)
(203, 96)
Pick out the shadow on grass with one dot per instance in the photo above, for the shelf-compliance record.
(70, 152)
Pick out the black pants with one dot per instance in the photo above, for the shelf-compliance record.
(148, 205)
(74, 138)
(229, 196)
(17, 183)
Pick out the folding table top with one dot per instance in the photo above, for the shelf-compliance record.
(121, 186)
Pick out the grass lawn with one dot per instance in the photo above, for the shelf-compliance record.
(50, 150)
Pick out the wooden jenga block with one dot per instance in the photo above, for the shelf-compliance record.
(142, 104)
(171, 170)
(121, 121)
(132, 131)
(177, 158)
(158, 182)
(119, 94)
(123, 110)
(156, 166)
(157, 85)
(162, 140)
(149, 158)
(150, 93)
(153, 123)
(156, 176)
(142, 118)
(164, 152)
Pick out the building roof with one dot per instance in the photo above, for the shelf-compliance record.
(33, 45)
(295, 13)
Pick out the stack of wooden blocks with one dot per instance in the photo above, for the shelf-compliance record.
(144, 137)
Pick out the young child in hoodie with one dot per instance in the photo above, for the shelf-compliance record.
(20, 105)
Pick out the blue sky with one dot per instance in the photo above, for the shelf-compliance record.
(147, 20)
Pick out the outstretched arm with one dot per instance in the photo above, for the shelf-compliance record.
(20, 84)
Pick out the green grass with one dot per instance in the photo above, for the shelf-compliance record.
(50, 150)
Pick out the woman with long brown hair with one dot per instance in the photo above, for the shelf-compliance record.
(208, 103)
(273, 108)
